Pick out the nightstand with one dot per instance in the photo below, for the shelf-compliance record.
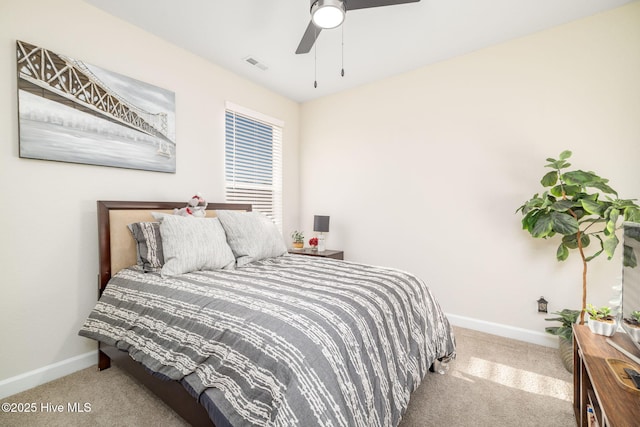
(325, 254)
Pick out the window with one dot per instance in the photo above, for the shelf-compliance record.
(253, 161)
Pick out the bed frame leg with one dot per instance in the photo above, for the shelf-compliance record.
(104, 361)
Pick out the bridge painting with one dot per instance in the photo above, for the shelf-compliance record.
(71, 111)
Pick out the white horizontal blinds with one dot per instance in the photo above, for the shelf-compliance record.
(253, 163)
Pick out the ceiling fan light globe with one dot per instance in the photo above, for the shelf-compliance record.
(327, 14)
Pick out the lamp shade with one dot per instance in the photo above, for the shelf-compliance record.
(321, 223)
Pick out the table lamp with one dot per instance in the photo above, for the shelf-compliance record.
(321, 225)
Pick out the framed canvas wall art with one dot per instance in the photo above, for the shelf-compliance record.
(71, 111)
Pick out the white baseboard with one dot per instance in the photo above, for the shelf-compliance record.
(43, 375)
(526, 335)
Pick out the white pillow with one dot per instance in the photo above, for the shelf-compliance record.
(252, 236)
(191, 244)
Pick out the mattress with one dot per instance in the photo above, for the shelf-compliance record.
(291, 340)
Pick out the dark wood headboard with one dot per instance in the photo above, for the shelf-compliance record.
(115, 241)
(116, 251)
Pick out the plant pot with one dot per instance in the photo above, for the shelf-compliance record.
(298, 245)
(566, 353)
(634, 332)
(603, 328)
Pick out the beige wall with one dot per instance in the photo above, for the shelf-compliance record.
(424, 171)
(48, 243)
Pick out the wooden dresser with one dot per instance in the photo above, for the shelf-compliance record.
(595, 383)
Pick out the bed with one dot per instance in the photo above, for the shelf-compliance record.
(266, 339)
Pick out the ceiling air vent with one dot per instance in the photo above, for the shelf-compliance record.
(256, 62)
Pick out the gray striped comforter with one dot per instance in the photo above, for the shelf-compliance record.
(293, 340)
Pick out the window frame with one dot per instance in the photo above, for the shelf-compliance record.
(237, 191)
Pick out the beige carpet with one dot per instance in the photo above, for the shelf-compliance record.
(493, 382)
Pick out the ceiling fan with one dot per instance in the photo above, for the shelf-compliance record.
(327, 14)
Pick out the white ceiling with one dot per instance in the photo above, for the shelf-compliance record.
(378, 42)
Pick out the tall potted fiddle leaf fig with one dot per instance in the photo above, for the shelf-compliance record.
(583, 210)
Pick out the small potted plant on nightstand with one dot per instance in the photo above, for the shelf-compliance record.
(634, 325)
(601, 321)
(298, 239)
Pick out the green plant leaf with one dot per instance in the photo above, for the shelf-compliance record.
(565, 155)
(542, 226)
(624, 204)
(632, 214)
(594, 208)
(580, 177)
(571, 241)
(534, 202)
(557, 191)
(556, 164)
(549, 179)
(579, 212)
(562, 205)
(602, 187)
(592, 220)
(629, 257)
(563, 223)
(567, 318)
(586, 196)
(613, 219)
(596, 255)
(530, 219)
(562, 253)
(610, 245)
(569, 190)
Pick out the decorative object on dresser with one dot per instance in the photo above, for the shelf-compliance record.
(580, 206)
(601, 321)
(321, 225)
(72, 111)
(599, 381)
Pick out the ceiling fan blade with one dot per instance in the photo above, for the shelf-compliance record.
(308, 39)
(364, 4)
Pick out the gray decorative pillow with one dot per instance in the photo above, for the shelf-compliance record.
(252, 236)
(148, 245)
(192, 244)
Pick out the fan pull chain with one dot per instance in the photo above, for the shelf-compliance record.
(315, 60)
(342, 71)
